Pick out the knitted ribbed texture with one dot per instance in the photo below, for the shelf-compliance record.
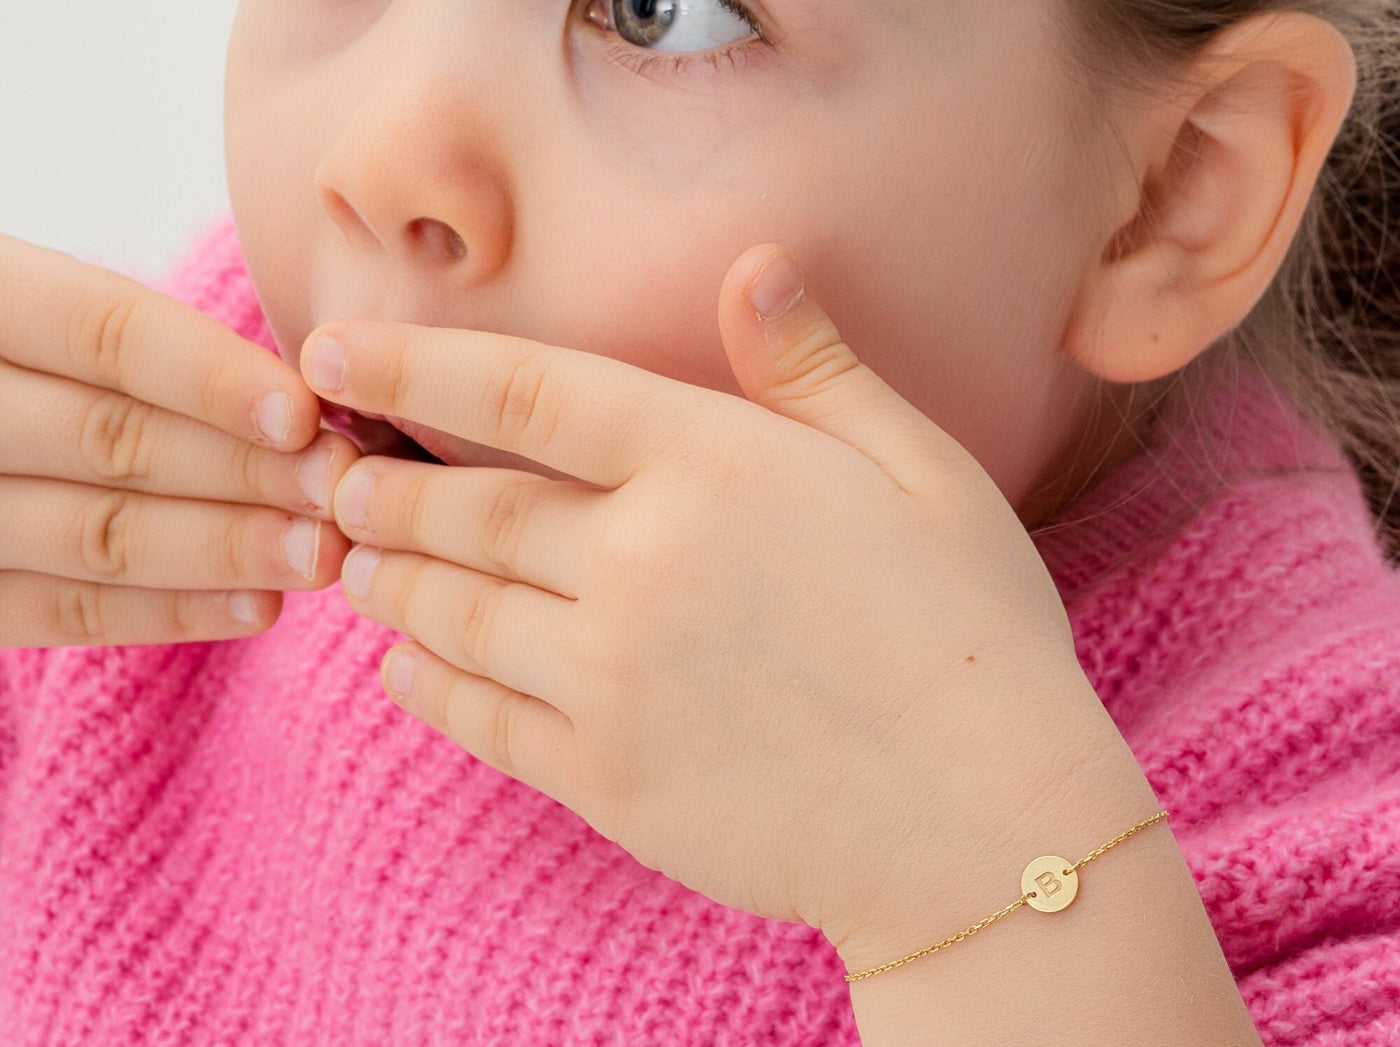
(246, 842)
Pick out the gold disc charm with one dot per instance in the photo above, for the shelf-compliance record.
(1053, 888)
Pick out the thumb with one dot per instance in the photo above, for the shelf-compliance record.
(787, 356)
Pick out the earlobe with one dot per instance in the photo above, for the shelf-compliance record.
(1222, 176)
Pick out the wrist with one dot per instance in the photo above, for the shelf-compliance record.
(1061, 794)
(1134, 960)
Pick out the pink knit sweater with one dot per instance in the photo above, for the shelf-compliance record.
(246, 842)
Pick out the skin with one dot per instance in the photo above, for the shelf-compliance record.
(163, 479)
(514, 251)
(584, 191)
(522, 250)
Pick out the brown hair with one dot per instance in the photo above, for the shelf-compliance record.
(1327, 332)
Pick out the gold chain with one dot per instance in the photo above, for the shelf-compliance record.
(1023, 900)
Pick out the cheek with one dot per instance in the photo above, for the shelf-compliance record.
(270, 170)
(932, 260)
(951, 271)
(637, 279)
(914, 260)
(271, 236)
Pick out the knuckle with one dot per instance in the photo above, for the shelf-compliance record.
(99, 333)
(501, 534)
(526, 406)
(184, 615)
(247, 468)
(503, 733)
(631, 544)
(78, 611)
(477, 620)
(415, 511)
(396, 385)
(115, 441)
(214, 384)
(400, 590)
(105, 534)
(817, 361)
(227, 551)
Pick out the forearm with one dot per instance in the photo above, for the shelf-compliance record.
(1132, 961)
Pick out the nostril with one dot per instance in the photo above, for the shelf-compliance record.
(345, 217)
(439, 238)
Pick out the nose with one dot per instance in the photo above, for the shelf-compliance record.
(418, 170)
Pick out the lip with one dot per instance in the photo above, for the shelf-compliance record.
(371, 432)
(447, 449)
(391, 437)
(400, 438)
(374, 433)
(438, 444)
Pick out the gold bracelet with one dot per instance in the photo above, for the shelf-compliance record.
(1059, 890)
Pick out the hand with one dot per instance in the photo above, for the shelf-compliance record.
(786, 650)
(142, 501)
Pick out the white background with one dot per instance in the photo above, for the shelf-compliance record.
(111, 126)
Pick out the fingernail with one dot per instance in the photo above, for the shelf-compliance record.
(399, 674)
(242, 608)
(273, 416)
(358, 570)
(325, 364)
(300, 544)
(777, 288)
(352, 498)
(314, 475)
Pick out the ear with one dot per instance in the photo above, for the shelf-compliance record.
(1221, 176)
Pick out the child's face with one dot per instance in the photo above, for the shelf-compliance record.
(915, 155)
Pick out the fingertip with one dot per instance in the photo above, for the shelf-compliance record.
(286, 418)
(320, 470)
(306, 418)
(334, 548)
(253, 611)
(243, 608)
(748, 265)
(323, 360)
(398, 670)
(285, 413)
(350, 501)
(272, 416)
(762, 289)
(357, 571)
(776, 287)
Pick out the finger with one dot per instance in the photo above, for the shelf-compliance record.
(65, 317)
(585, 415)
(516, 734)
(507, 631)
(127, 538)
(42, 611)
(512, 524)
(62, 429)
(787, 355)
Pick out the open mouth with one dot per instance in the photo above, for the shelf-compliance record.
(415, 442)
(374, 435)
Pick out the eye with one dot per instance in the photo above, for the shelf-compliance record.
(679, 25)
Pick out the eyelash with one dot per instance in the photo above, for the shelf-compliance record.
(643, 62)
